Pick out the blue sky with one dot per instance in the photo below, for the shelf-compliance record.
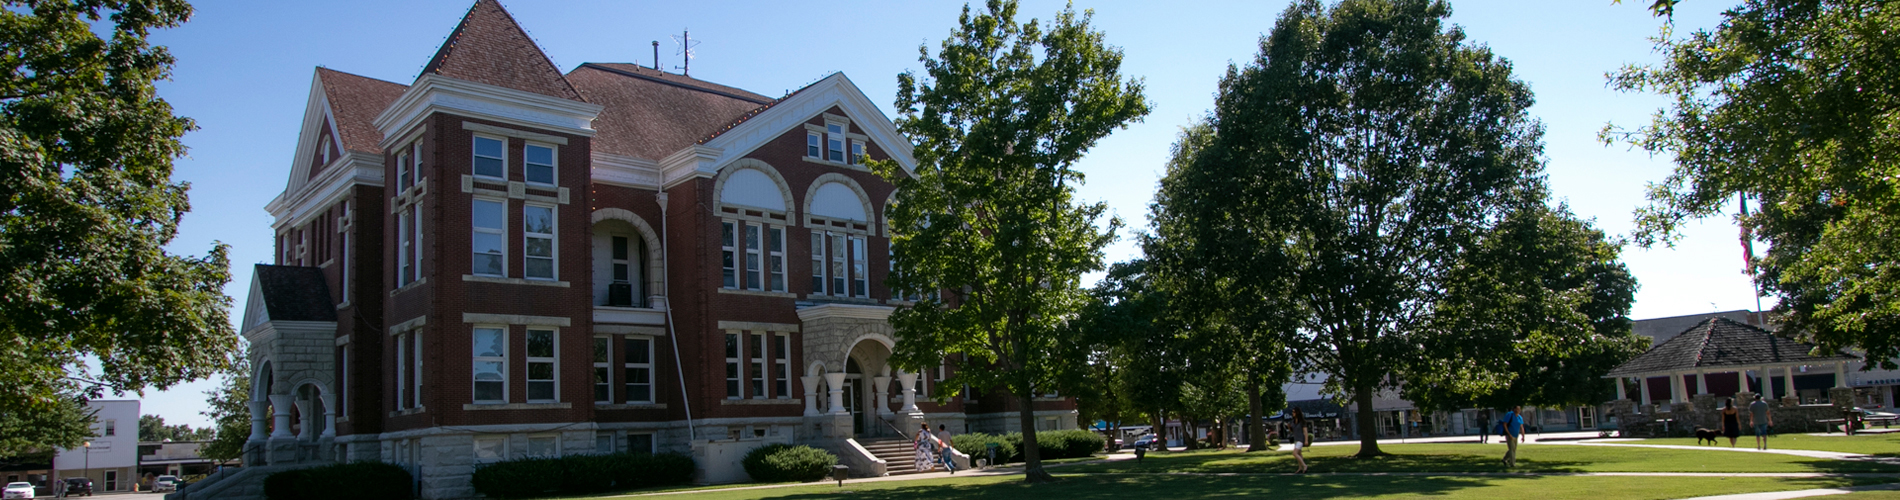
(244, 72)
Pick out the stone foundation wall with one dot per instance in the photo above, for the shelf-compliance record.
(1703, 411)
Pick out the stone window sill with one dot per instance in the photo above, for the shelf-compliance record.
(513, 281)
(630, 406)
(774, 401)
(517, 406)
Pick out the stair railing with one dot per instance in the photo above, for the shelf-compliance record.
(894, 428)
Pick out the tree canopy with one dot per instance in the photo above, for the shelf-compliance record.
(1791, 104)
(1001, 116)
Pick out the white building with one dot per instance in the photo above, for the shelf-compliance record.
(111, 456)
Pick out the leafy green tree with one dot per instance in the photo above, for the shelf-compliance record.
(1789, 104)
(87, 206)
(1133, 348)
(230, 414)
(1535, 314)
(1226, 269)
(1385, 144)
(990, 218)
(66, 419)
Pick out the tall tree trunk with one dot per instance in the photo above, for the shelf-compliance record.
(1368, 424)
(1032, 456)
(1256, 424)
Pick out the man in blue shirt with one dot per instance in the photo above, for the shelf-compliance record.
(1513, 433)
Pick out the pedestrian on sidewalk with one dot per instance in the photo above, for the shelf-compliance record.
(1296, 434)
(1762, 419)
(925, 447)
(1513, 425)
(949, 452)
(1731, 421)
(1484, 426)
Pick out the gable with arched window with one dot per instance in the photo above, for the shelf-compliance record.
(838, 214)
(754, 206)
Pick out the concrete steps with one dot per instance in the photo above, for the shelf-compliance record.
(897, 453)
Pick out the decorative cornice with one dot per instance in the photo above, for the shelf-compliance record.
(847, 311)
(294, 206)
(432, 93)
(609, 168)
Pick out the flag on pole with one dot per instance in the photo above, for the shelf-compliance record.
(1748, 239)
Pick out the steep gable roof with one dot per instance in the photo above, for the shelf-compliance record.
(355, 101)
(288, 293)
(1724, 343)
(490, 47)
(651, 114)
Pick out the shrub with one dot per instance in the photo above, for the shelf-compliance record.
(1074, 443)
(581, 474)
(780, 462)
(976, 445)
(357, 480)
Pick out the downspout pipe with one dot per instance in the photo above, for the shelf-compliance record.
(666, 282)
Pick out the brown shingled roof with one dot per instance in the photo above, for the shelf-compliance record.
(1724, 343)
(355, 101)
(650, 114)
(489, 47)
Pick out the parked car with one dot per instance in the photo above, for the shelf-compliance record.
(165, 483)
(76, 486)
(18, 490)
(1148, 441)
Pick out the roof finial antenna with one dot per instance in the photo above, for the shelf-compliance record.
(656, 55)
(687, 43)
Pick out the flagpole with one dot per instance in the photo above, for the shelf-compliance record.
(1748, 254)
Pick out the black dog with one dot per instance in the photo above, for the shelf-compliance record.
(1702, 434)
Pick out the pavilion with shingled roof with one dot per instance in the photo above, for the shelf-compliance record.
(1720, 347)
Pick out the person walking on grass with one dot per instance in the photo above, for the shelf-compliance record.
(949, 452)
(925, 446)
(1759, 417)
(1731, 421)
(1513, 425)
(1296, 434)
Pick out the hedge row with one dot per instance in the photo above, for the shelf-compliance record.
(581, 474)
(774, 463)
(356, 480)
(1053, 444)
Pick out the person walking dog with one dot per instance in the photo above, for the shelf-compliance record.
(1513, 434)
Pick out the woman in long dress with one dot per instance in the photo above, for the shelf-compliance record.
(925, 446)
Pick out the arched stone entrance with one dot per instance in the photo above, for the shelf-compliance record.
(848, 348)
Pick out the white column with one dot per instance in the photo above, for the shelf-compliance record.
(883, 384)
(811, 394)
(910, 391)
(835, 381)
(1741, 380)
(1701, 382)
(1767, 377)
(1619, 388)
(257, 420)
(1643, 386)
(1788, 373)
(304, 424)
(329, 415)
(1840, 374)
(1679, 389)
(280, 409)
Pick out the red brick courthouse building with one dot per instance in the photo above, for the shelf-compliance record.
(500, 260)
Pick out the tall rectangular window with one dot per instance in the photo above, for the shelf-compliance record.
(729, 253)
(405, 247)
(859, 269)
(537, 164)
(491, 365)
(811, 144)
(541, 362)
(415, 163)
(775, 258)
(603, 368)
(343, 271)
(415, 367)
(537, 228)
(402, 371)
(639, 369)
(817, 263)
(402, 171)
(732, 366)
(489, 159)
(834, 142)
(755, 346)
(622, 263)
(838, 277)
(491, 253)
(782, 361)
(752, 257)
(415, 228)
(857, 153)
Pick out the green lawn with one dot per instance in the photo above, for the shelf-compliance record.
(1122, 487)
(1473, 457)
(1872, 444)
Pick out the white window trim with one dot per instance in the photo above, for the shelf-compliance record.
(554, 337)
(502, 231)
(860, 269)
(736, 365)
(731, 248)
(505, 379)
(476, 444)
(820, 262)
(754, 263)
(415, 381)
(782, 377)
(652, 379)
(402, 370)
(415, 165)
(814, 143)
(842, 137)
(415, 226)
(775, 258)
(855, 155)
(840, 265)
(554, 241)
(472, 155)
(402, 170)
(608, 341)
(554, 167)
(757, 383)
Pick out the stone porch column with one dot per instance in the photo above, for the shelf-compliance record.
(1741, 380)
(1840, 374)
(1643, 386)
(910, 391)
(304, 424)
(1702, 382)
(1788, 372)
(835, 382)
(811, 394)
(280, 404)
(1675, 388)
(329, 415)
(257, 421)
(883, 385)
(1767, 383)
